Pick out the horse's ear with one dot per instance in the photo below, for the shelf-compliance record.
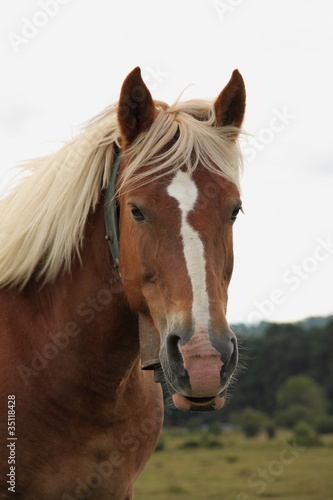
(136, 110)
(230, 104)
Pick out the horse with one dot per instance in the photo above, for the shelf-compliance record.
(116, 254)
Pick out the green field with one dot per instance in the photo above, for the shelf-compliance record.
(241, 469)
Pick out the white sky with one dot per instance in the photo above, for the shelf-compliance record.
(73, 56)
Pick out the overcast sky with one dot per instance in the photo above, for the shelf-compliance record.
(63, 61)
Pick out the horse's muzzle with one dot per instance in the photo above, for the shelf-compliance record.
(198, 369)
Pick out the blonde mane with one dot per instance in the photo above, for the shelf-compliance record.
(43, 219)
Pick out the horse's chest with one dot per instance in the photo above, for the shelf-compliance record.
(98, 462)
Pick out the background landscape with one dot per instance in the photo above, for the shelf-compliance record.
(273, 439)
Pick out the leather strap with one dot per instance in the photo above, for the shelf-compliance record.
(111, 213)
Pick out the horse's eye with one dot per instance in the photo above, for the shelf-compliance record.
(137, 214)
(235, 212)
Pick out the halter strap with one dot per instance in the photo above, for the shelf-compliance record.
(148, 335)
(111, 213)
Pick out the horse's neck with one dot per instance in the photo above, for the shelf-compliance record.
(86, 316)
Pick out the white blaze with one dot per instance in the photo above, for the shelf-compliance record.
(185, 191)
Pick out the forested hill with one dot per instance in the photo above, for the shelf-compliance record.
(242, 329)
(278, 353)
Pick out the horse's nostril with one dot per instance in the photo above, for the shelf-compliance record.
(173, 349)
(232, 361)
(172, 342)
(229, 354)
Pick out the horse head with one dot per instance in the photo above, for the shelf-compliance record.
(178, 198)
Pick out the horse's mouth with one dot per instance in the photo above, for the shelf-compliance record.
(190, 403)
(186, 403)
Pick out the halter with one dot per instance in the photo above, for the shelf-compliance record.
(149, 337)
(111, 214)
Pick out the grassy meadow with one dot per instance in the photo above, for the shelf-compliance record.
(196, 466)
